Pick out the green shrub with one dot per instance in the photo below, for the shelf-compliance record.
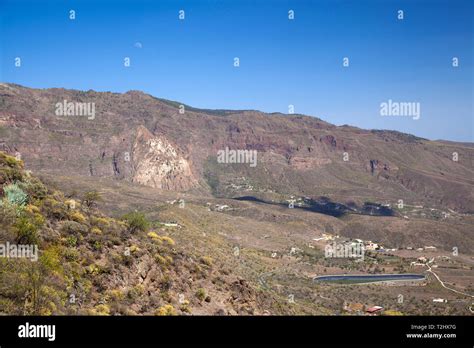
(96, 231)
(15, 195)
(10, 175)
(168, 240)
(207, 260)
(101, 309)
(73, 228)
(71, 254)
(8, 212)
(101, 222)
(54, 208)
(51, 259)
(136, 221)
(34, 188)
(97, 245)
(77, 216)
(185, 307)
(153, 235)
(166, 283)
(26, 231)
(166, 310)
(116, 294)
(200, 294)
(71, 241)
(160, 259)
(10, 161)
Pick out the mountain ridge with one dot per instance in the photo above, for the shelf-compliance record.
(223, 112)
(297, 155)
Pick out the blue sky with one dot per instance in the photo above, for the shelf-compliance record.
(282, 61)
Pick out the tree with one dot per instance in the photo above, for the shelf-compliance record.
(91, 198)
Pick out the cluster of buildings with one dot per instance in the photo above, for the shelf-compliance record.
(369, 245)
(425, 248)
(218, 207)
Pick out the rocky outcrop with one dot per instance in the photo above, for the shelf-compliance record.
(160, 164)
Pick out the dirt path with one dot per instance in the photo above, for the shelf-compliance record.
(442, 283)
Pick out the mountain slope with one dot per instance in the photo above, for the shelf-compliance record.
(297, 155)
(89, 263)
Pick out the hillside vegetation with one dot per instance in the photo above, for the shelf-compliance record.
(90, 263)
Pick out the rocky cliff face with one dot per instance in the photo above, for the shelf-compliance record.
(160, 164)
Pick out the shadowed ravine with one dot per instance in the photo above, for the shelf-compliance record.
(325, 206)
